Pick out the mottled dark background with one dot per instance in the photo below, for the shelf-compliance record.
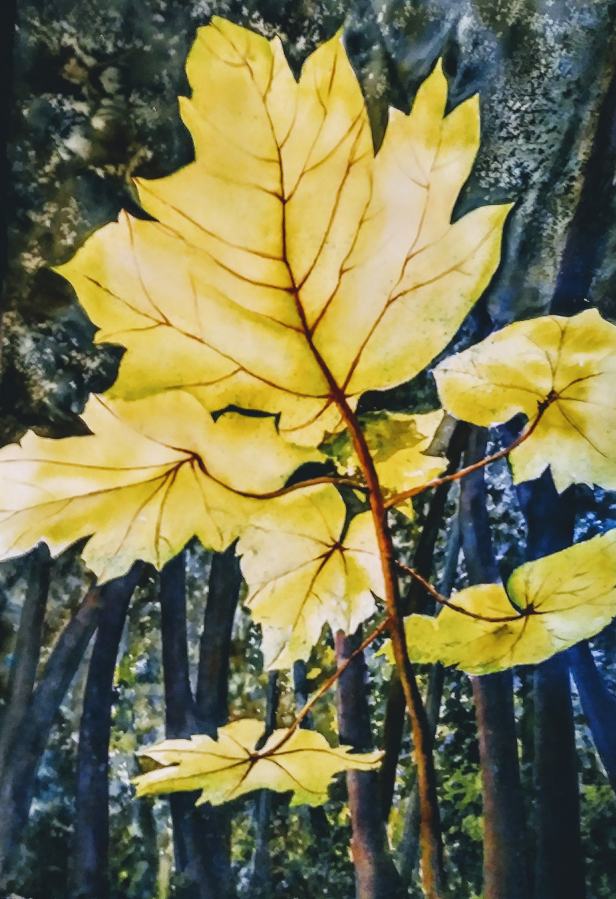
(92, 104)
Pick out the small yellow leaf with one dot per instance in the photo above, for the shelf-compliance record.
(398, 444)
(153, 474)
(230, 766)
(301, 577)
(571, 361)
(564, 598)
(288, 264)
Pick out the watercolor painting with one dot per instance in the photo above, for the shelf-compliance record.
(308, 462)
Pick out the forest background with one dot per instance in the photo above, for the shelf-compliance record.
(92, 102)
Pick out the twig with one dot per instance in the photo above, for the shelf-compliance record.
(325, 687)
(451, 605)
(462, 472)
(313, 482)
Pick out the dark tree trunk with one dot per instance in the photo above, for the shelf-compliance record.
(261, 873)
(91, 840)
(179, 703)
(200, 833)
(18, 781)
(191, 847)
(376, 876)
(212, 706)
(590, 226)
(27, 650)
(598, 704)
(559, 867)
(179, 715)
(505, 872)
(559, 861)
(582, 257)
(415, 601)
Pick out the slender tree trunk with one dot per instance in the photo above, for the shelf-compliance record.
(559, 868)
(505, 872)
(212, 705)
(27, 650)
(201, 838)
(261, 872)
(180, 719)
(376, 876)
(559, 864)
(598, 704)
(192, 848)
(18, 780)
(91, 839)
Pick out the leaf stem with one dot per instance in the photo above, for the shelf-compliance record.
(432, 868)
(462, 472)
(451, 605)
(325, 687)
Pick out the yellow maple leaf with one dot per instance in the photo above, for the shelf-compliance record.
(398, 444)
(562, 599)
(301, 575)
(230, 766)
(153, 474)
(288, 266)
(571, 362)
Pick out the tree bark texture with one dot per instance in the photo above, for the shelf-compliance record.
(18, 780)
(261, 871)
(589, 229)
(91, 839)
(376, 876)
(27, 650)
(200, 833)
(213, 676)
(559, 860)
(505, 871)
(598, 704)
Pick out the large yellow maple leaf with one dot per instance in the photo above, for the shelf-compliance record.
(288, 266)
(549, 605)
(152, 474)
(567, 364)
(230, 766)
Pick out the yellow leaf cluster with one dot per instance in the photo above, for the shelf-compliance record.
(569, 361)
(301, 575)
(560, 600)
(230, 766)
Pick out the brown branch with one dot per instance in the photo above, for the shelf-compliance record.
(324, 688)
(313, 482)
(432, 864)
(462, 472)
(451, 605)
